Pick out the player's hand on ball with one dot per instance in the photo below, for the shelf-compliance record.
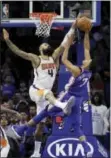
(84, 24)
(5, 34)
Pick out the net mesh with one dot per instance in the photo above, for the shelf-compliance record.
(43, 27)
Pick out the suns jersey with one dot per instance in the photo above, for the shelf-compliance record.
(79, 86)
(45, 74)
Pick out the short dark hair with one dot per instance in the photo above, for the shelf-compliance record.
(99, 96)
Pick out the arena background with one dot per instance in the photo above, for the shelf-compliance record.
(18, 73)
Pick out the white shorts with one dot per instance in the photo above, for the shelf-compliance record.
(37, 96)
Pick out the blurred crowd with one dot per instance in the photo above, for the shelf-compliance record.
(17, 74)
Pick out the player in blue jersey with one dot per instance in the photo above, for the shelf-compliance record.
(75, 87)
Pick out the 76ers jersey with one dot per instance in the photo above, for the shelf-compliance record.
(44, 75)
(78, 86)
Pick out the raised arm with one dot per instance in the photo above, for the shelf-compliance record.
(69, 35)
(62, 46)
(16, 50)
(87, 46)
(75, 70)
(87, 61)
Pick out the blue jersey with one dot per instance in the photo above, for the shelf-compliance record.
(78, 86)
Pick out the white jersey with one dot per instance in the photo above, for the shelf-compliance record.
(98, 113)
(45, 74)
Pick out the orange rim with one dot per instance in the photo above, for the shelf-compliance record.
(44, 17)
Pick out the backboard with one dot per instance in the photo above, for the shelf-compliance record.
(16, 14)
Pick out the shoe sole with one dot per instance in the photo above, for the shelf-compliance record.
(69, 105)
(16, 134)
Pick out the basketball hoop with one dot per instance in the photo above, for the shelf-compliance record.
(43, 27)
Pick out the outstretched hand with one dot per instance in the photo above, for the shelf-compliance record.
(5, 34)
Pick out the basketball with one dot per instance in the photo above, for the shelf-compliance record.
(84, 24)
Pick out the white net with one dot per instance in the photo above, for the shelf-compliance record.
(43, 27)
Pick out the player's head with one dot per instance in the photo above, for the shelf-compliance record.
(45, 49)
(97, 99)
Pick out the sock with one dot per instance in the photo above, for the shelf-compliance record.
(53, 110)
(40, 116)
(21, 129)
(60, 104)
(37, 147)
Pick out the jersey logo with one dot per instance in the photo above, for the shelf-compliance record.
(48, 66)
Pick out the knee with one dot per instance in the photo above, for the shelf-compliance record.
(47, 94)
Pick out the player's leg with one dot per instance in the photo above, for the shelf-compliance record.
(38, 139)
(65, 106)
(39, 131)
(19, 130)
(77, 124)
(50, 110)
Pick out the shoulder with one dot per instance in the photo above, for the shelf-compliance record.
(53, 60)
(36, 60)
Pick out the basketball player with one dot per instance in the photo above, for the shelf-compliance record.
(4, 143)
(45, 69)
(75, 87)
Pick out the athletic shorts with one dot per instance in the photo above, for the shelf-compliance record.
(37, 96)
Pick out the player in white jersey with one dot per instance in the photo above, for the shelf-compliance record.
(44, 77)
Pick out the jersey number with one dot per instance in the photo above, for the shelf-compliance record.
(50, 72)
(84, 81)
